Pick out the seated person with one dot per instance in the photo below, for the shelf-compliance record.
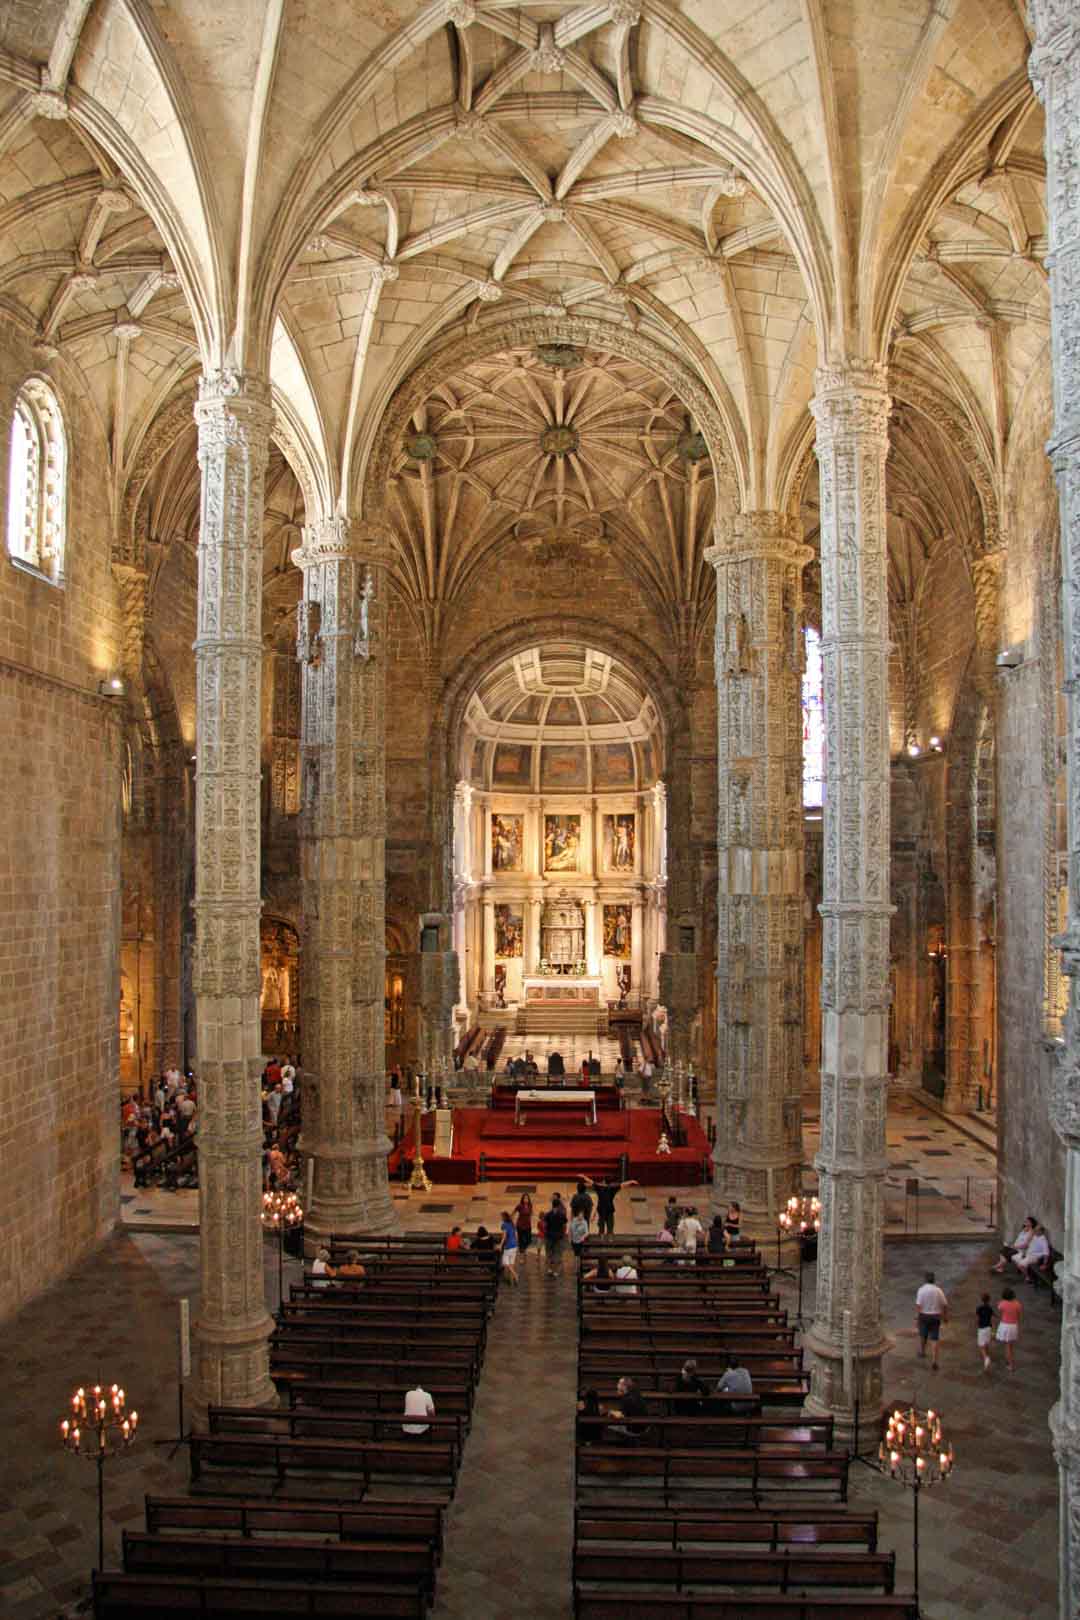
(455, 1240)
(418, 1404)
(689, 1383)
(322, 1270)
(736, 1381)
(1019, 1244)
(600, 1276)
(626, 1278)
(632, 1411)
(1036, 1256)
(718, 1238)
(485, 1241)
(352, 1269)
(733, 1220)
(591, 1420)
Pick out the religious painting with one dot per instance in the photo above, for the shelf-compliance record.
(512, 765)
(507, 835)
(617, 926)
(509, 930)
(563, 711)
(620, 839)
(563, 767)
(562, 841)
(613, 765)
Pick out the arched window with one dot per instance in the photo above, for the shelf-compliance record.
(813, 717)
(37, 482)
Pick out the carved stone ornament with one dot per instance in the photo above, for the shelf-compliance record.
(48, 103)
(382, 274)
(421, 446)
(559, 441)
(560, 355)
(127, 331)
(489, 292)
(547, 58)
(553, 214)
(362, 636)
(691, 447)
(308, 625)
(624, 124)
(462, 13)
(627, 13)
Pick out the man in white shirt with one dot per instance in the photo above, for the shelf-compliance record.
(418, 1403)
(689, 1231)
(931, 1309)
(1036, 1254)
(288, 1076)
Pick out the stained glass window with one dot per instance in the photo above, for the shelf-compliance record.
(813, 718)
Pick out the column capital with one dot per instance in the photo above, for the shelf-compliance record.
(340, 538)
(851, 397)
(749, 536)
(234, 410)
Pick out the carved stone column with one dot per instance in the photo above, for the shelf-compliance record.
(342, 652)
(1055, 72)
(759, 663)
(846, 1343)
(234, 417)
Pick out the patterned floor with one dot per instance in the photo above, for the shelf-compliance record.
(989, 1534)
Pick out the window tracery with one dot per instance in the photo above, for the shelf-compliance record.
(813, 717)
(37, 482)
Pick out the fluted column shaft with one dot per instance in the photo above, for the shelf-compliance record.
(234, 416)
(846, 1342)
(341, 646)
(759, 662)
(1055, 72)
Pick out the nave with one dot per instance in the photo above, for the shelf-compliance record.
(988, 1543)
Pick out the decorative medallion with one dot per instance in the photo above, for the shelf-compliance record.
(563, 355)
(421, 446)
(692, 447)
(559, 441)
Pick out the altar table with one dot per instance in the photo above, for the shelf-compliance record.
(554, 1095)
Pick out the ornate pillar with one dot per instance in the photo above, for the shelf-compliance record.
(234, 415)
(759, 662)
(846, 1343)
(637, 944)
(487, 967)
(1055, 72)
(341, 648)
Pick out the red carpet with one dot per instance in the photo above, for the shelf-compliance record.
(557, 1149)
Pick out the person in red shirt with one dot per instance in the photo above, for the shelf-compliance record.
(273, 1074)
(1010, 1313)
(454, 1242)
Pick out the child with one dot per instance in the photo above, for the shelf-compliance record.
(1010, 1311)
(579, 1231)
(984, 1317)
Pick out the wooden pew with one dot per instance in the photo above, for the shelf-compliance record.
(140, 1597)
(331, 1341)
(778, 1381)
(412, 1457)
(401, 1563)
(600, 1332)
(305, 1422)
(628, 1604)
(728, 1526)
(390, 1293)
(785, 1569)
(451, 1400)
(637, 1468)
(417, 1363)
(366, 1318)
(744, 1433)
(414, 1520)
(677, 1403)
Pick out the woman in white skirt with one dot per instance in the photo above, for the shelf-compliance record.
(1009, 1313)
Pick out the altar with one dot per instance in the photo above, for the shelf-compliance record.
(580, 991)
(552, 1097)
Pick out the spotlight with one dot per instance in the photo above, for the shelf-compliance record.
(914, 750)
(112, 686)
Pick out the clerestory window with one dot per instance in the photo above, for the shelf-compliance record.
(37, 482)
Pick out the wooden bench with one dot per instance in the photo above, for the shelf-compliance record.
(291, 1359)
(777, 1381)
(680, 1403)
(390, 1293)
(404, 1340)
(304, 1422)
(757, 1527)
(370, 1317)
(744, 1433)
(629, 1314)
(401, 1563)
(647, 1468)
(628, 1604)
(451, 1400)
(597, 1334)
(785, 1569)
(414, 1520)
(413, 1457)
(137, 1597)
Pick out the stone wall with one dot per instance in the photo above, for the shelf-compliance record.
(59, 956)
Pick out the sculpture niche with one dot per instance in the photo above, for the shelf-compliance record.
(562, 937)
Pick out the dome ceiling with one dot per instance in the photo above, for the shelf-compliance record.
(561, 718)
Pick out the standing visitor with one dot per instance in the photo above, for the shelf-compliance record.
(555, 1226)
(606, 1194)
(931, 1310)
(509, 1249)
(582, 1204)
(1010, 1312)
(523, 1222)
(579, 1232)
(984, 1319)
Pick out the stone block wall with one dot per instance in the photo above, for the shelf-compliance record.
(60, 865)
